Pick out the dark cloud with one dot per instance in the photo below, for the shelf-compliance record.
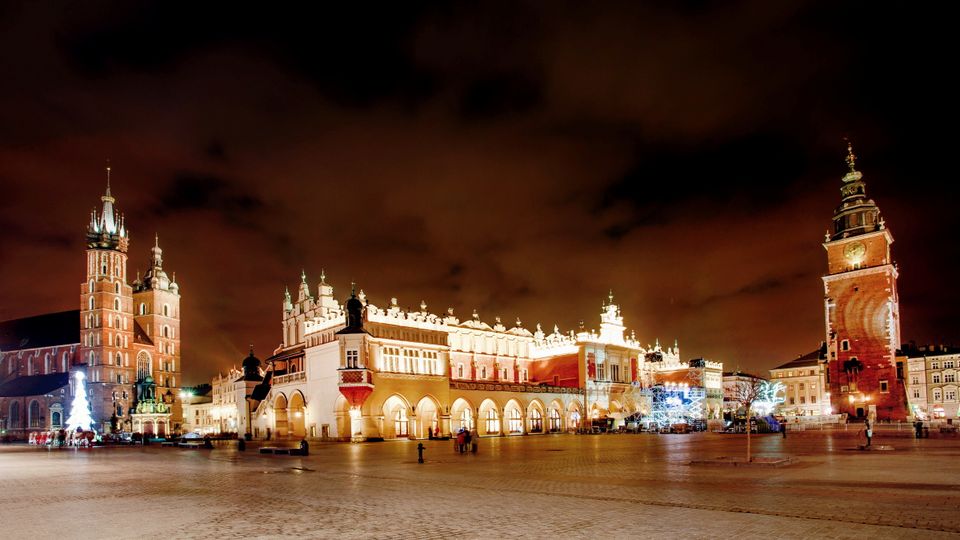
(517, 158)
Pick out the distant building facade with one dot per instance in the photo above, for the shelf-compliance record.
(806, 385)
(733, 382)
(125, 337)
(932, 375)
(861, 307)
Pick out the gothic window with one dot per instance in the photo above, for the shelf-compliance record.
(143, 308)
(119, 378)
(46, 363)
(56, 419)
(166, 310)
(400, 422)
(14, 421)
(536, 421)
(119, 359)
(554, 420)
(90, 303)
(143, 365)
(64, 362)
(493, 422)
(165, 331)
(35, 414)
(515, 422)
(116, 287)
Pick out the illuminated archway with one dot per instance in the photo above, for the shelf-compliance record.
(428, 417)
(281, 425)
(296, 414)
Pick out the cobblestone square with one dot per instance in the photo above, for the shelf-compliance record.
(599, 486)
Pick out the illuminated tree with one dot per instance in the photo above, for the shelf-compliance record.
(80, 408)
(748, 393)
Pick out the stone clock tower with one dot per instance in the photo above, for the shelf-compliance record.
(861, 307)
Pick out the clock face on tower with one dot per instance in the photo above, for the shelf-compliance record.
(854, 251)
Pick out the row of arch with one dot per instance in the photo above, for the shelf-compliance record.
(400, 419)
(34, 419)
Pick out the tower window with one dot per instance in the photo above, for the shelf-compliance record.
(143, 308)
(116, 287)
(166, 310)
(116, 304)
(845, 345)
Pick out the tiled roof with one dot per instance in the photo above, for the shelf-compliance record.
(34, 385)
(812, 358)
(47, 330)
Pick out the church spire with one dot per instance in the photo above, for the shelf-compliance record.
(106, 229)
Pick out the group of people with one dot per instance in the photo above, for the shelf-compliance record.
(62, 437)
(467, 439)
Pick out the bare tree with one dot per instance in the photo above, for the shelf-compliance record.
(748, 393)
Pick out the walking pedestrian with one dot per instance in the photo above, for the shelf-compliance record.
(918, 428)
(466, 440)
(868, 430)
(474, 440)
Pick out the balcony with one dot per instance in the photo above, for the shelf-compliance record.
(297, 376)
(355, 377)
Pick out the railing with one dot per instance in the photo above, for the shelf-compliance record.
(297, 376)
(514, 387)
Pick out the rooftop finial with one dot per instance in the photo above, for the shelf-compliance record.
(851, 157)
(303, 276)
(156, 240)
(323, 276)
(353, 289)
(108, 177)
(610, 296)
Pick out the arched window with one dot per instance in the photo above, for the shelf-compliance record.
(56, 419)
(119, 359)
(64, 362)
(493, 422)
(90, 303)
(166, 310)
(466, 419)
(46, 363)
(90, 286)
(116, 287)
(554, 420)
(34, 416)
(143, 308)
(14, 421)
(400, 422)
(116, 304)
(536, 421)
(30, 366)
(165, 331)
(143, 365)
(515, 422)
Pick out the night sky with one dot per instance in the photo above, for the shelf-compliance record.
(520, 159)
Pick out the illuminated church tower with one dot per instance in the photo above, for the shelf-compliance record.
(106, 327)
(862, 307)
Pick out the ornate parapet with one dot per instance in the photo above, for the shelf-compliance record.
(510, 387)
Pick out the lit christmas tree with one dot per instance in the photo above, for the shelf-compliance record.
(80, 408)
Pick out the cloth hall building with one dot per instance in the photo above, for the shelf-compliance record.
(125, 337)
(359, 371)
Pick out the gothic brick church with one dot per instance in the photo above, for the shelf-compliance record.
(125, 337)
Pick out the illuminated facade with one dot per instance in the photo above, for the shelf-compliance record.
(806, 392)
(360, 371)
(861, 308)
(932, 375)
(125, 337)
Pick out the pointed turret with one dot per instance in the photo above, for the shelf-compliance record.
(156, 277)
(106, 230)
(287, 302)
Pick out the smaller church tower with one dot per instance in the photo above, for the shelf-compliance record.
(156, 301)
(106, 327)
(861, 307)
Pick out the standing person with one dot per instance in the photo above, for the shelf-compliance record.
(466, 440)
(783, 429)
(474, 440)
(868, 429)
(918, 428)
(460, 440)
(436, 432)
